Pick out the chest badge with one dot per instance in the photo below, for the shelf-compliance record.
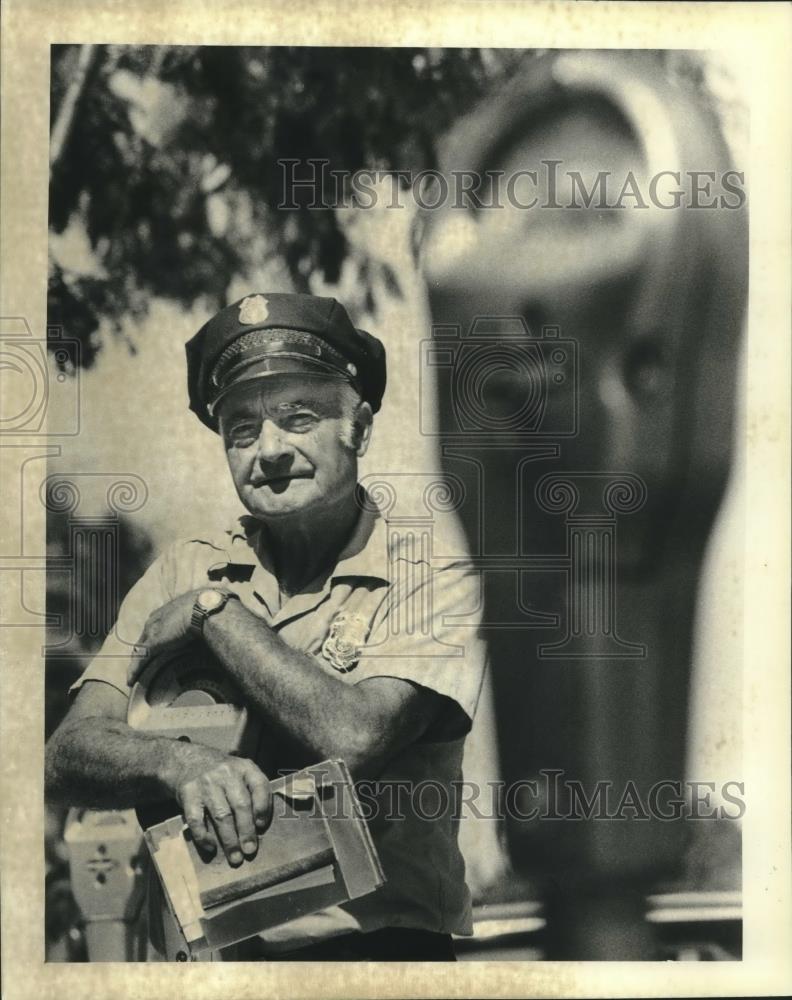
(347, 634)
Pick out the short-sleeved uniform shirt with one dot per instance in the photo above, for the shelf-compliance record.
(383, 610)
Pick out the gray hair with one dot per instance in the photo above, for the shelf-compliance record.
(350, 407)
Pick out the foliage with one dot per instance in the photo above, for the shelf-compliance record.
(169, 161)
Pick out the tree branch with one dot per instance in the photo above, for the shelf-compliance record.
(61, 130)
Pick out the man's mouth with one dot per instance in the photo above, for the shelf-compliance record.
(276, 482)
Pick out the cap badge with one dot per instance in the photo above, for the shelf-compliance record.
(342, 645)
(253, 309)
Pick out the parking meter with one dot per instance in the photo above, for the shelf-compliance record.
(585, 337)
(186, 695)
(106, 864)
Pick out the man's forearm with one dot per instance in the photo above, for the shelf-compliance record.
(103, 763)
(323, 715)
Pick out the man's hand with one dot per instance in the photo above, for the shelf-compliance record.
(166, 628)
(223, 798)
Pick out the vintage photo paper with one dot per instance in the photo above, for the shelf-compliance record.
(394, 426)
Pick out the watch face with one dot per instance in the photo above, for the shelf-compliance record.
(210, 599)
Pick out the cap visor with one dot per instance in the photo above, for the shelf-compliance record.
(280, 364)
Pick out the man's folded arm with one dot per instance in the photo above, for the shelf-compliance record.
(403, 691)
(94, 759)
(316, 714)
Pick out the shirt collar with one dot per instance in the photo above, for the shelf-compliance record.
(366, 553)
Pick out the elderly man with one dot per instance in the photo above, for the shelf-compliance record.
(299, 603)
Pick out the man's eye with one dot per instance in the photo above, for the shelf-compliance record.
(243, 434)
(299, 421)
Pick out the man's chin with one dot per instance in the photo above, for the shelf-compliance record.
(277, 505)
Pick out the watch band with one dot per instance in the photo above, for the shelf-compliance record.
(209, 602)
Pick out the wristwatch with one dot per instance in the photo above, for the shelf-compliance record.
(208, 602)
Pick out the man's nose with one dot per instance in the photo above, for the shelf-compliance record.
(272, 445)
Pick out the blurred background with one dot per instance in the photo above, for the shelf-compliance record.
(163, 207)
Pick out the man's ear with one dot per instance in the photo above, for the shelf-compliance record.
(363, 424)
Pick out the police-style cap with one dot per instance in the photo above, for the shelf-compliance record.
(277, 333)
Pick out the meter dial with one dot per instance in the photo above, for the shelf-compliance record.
(190, 677)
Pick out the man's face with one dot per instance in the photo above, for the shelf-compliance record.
(287, 444)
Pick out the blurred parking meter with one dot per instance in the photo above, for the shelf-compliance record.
(106, 862)
(583, 360)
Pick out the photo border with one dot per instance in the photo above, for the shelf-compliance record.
(757, 33)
